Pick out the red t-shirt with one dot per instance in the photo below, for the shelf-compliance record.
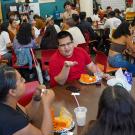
(57, 62)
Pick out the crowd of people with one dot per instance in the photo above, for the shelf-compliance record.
(116, 107)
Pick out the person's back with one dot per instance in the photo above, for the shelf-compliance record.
(116, 109)
(49, 40)
(85, 26)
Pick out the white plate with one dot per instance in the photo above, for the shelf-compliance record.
(66, 129)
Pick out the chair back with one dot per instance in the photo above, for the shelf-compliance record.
(102, 59)
(45, 57)
(30, 90)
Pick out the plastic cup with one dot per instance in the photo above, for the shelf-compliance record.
(80, 113)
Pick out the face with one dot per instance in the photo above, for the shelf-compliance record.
(14, 24)
(66, 47)
(20, 85)
(67, 7)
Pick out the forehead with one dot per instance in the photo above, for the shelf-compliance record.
(64, 40)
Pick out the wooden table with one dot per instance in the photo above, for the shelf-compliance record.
(89, 97)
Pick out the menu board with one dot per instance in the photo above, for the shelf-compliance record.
(120, 4)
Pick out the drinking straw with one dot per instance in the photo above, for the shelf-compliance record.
(76, 101)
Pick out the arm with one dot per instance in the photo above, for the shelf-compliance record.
(130, 44)
(95, 69)
(46, 127)
(61, 78)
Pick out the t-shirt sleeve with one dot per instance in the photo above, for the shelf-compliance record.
(16, 123)
(6, 38)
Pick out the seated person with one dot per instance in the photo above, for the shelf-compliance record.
(15, 119)
(121, 40)
(116, 109)
(69, 62)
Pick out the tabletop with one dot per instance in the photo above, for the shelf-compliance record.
(89, 97)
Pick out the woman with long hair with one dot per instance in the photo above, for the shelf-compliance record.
(121, 40)
(15, 119)
(22, 44)
(116, 113)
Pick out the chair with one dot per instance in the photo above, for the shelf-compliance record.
(85, 46)
(102, 62)
(30, 89)
(45, 57)
(3, 61)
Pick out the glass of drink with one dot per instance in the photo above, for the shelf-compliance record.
(80, 113)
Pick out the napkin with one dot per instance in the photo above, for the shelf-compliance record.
(120, 79)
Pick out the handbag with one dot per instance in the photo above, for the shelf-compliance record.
(38, 68)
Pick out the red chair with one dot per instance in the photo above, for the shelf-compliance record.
(30, 89)
(45, 57)
(102, 62)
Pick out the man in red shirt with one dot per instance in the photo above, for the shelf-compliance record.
(69, 62)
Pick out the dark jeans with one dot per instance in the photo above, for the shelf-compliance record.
(119, 61)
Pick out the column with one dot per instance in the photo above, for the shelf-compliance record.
(87, 6)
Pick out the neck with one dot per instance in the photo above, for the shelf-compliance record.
(11, 102)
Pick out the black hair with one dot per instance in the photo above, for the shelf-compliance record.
(111, 14)
(64, 34)
(7, 81)
(24, 35)
(122, 30)
(133, 23)
(67, 3)
(116, 111)
(4, 27)
(117, 11)
(75, 17)
(82, 15)
(89, 20)
(108, 7)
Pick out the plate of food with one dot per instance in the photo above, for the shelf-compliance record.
(87, 79)
(62, 125)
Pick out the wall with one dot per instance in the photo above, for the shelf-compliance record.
(45, 8)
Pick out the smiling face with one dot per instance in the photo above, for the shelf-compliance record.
(66, 47)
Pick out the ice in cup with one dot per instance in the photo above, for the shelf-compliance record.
(80, 113)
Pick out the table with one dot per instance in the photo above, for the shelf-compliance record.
(89, 97)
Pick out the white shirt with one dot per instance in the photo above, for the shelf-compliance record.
(4, 40)
(57, 28)
(95, 18)
(37, 32)
(78, 37)
(112, 23)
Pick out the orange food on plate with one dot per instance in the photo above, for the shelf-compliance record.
(60, 123)
(87, 78)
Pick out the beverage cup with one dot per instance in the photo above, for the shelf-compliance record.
(80, 113)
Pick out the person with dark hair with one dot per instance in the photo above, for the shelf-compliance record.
(117, 14)
(49, 39)
(85, 26)
(69, 62)
(121, 40)
(95, 16)
(76, 18)
(5, 42)
(16, 119)
(22, 43)
(108, 9)
(12, 29)
(116, 109)
(68, 10)
(112, 23)
(76, 33)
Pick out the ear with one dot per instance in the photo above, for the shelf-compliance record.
(12, 92)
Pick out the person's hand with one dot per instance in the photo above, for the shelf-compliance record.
(38, 92)
(48, 97)
(106, 76)
(70, 63)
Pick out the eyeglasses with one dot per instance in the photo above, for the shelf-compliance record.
(68, 44)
